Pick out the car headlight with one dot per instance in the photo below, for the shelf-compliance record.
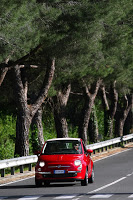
(41, 164)
(77, 162)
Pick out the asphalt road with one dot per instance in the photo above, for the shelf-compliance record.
(113, 180)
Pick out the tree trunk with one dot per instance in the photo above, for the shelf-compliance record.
(128, 127)
(27, 112)
(124, 113)
(3, 72)
(113, 108)
(22, 134)
(23, 117)
(61, 124)
(93, 127)
(109, 110)
(37, 130)
(60, 102)
(89, 97)
(4, 69)
(106, 108)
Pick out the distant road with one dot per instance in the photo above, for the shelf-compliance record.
(113, 180)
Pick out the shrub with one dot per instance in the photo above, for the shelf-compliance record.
(7, 136)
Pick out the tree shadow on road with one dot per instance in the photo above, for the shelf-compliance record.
(34, 186)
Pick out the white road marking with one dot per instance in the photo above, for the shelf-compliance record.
(101, 196)
(66, 196)
(131, 196)
(30, 197)
(79, 196)
(129, 175)
(105, 186)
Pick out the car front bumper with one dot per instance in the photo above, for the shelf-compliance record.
(67, 176)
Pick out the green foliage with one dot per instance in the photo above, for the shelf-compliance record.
(7, 136)
(122, 145)
(33, 140)
(117, 42)
(48, 125)
(73, 131)
(19, 32)
(100, 116)
(48, 131)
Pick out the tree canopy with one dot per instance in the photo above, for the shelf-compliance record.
(89, 42)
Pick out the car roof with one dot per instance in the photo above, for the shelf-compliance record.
(56, 139)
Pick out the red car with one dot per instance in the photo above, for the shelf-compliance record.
(64, 159)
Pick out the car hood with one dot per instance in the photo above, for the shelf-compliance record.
(63, 158)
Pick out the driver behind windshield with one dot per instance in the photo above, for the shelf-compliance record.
(77, 147)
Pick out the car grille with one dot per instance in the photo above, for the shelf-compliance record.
(59, 166)
(60, 175)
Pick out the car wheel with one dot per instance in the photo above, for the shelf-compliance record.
(85, 181)
(91, 179)
(38, 183)
(46, 183)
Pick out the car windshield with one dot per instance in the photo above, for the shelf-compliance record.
(62, 147)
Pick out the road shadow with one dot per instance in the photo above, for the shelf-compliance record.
(34, 186)
(76, 195)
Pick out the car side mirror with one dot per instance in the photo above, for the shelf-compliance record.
(89, 151)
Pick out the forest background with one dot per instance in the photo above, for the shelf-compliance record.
(66, 70)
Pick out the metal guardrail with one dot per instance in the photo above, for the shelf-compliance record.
(14, 162)
(110, 143)
(29, 160)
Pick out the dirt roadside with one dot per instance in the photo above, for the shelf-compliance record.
(97, 156)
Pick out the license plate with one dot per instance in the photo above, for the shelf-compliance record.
(59, 171)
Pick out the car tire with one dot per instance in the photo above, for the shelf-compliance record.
(38, 183)
(46, 183)
(85, 181)
(91, 179)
